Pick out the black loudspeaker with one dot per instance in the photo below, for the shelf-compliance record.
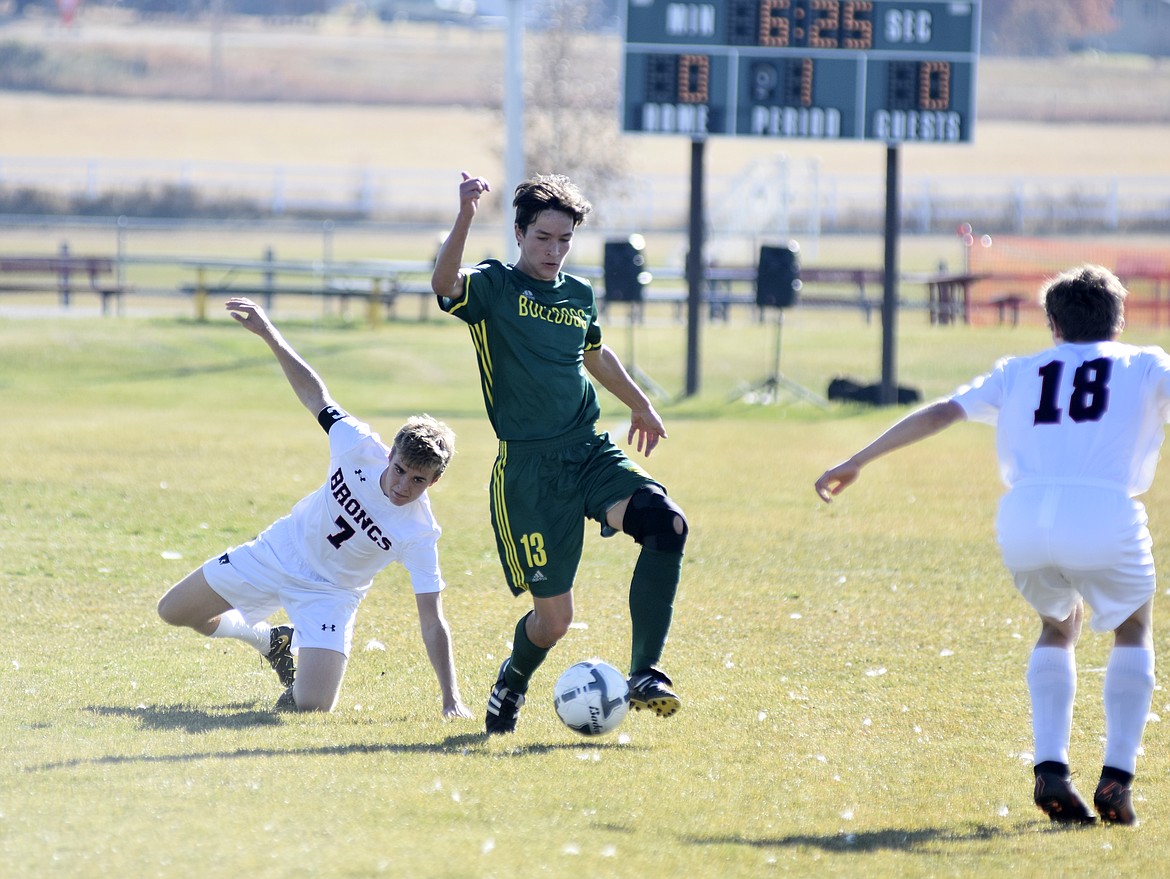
(625, 270)
(778, 276)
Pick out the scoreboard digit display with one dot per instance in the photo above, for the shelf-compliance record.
(832, 69)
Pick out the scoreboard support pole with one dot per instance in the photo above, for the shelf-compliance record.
(889, 390)
(695, 271)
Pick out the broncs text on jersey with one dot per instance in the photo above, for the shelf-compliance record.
(364, 521)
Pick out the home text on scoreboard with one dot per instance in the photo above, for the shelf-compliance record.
(839, 69)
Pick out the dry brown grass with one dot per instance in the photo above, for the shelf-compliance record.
(455, 137)
(1077, 89)
(344, 93)
(364, 61)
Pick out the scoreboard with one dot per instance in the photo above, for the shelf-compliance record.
(828, 69)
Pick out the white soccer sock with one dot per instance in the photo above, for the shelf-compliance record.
(1052, 684)
(1129, 689)
(232, 625)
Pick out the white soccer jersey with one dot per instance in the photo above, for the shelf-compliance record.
(348, 530)
(1083, 412)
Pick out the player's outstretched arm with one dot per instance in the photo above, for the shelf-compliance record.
(437, 638)
(307, 385)
(446, 279)
(603, 364)
(918, 425)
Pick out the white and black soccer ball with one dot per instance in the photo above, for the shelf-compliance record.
(591, 697)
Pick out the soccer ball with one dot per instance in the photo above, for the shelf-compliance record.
(591, 697)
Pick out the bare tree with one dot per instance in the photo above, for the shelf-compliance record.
(571, 96)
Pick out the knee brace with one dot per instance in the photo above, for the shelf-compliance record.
(650, 519)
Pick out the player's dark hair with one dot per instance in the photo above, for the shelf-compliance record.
(549, 192)
(425, 443)
(1085, 304)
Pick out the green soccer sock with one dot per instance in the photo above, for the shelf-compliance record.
(652, 591)
(526, 658)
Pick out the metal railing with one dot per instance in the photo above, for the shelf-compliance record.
(772, 195)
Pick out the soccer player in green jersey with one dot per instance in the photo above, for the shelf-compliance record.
(536, 337)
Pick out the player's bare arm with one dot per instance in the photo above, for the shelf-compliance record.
(307, 385)
(436, 635)
(918, 425)
(603, 364)
(447, 279)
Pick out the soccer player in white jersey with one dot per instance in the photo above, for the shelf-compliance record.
(1078, 430)
(317, 563)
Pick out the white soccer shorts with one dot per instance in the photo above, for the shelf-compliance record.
(1066, 541)
(257, 582)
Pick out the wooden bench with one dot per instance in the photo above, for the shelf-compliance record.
(859, 279)
(26, 274)
(1008, 308)
(720, 295)
(733, 286)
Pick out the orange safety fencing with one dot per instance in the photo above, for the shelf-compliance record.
(1007, 273)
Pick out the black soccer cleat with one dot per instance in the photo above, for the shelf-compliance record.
(1114, 803)
(280, 655)
(651, 689)
(1058, 799)
(503, 706)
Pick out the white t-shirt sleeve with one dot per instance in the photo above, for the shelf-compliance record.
(421, 560)
(982, 399)
(1161, 372)
(345, 432)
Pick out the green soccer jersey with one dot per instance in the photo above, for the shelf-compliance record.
(530, 337)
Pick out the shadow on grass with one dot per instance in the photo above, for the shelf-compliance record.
(198, 720)
(237, 715)
(893, 839)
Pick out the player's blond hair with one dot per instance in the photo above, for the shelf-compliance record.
(425, 443)
(1085, 304)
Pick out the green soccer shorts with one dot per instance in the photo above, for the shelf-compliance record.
(541, 493)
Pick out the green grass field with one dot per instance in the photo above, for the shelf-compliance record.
(852, 675)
